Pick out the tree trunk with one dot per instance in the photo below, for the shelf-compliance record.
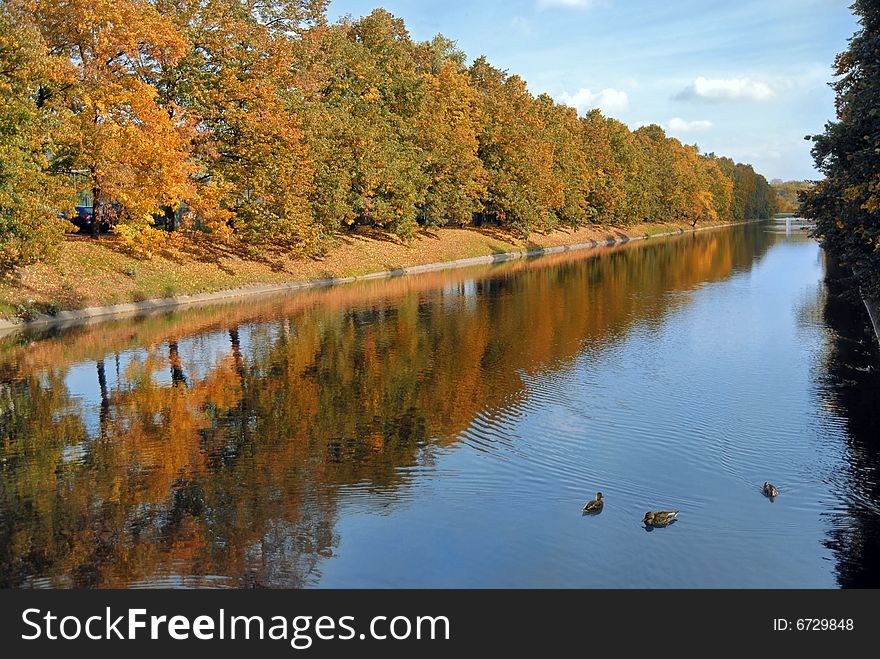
(96, 214)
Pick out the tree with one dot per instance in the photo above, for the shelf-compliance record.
(627, 171)
(603, 193)
(239, 82)
(447, 134)
(570, 173)
(522, 193)
(846, 204)
(364, 133)
(788, 194)
(658, 172)
(258, 121)
(720, 187)
(694, 201)
(133, 147)
(753, 197)
(30, 195)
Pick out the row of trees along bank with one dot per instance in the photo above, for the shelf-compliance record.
(260, 121)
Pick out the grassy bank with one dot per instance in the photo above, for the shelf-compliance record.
(88, 273)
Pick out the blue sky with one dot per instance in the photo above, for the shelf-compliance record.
(746, 79)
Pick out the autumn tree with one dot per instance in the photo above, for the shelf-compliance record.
(562, 130)
(522, 193)
(694, 201)
(31, 196)
(447, 134)
(133, 148)
(259, 122)
(238, 81)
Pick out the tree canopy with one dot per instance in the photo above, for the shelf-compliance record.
(788, 194)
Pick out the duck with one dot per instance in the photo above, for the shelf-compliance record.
(596, 505)
(770, 490)
(664, 518)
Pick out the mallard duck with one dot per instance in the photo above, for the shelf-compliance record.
(770, 490)
(596, 505)
(664, 518)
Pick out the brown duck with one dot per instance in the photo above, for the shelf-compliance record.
(596, 505)
(663, 518)
(770, 490)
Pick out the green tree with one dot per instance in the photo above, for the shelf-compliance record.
(570, 172)
(239, 82)
(627, 173)
(364, 134)
(447, 134)
(603, 193)
(846, 204)
(30, 195)
(522, 191)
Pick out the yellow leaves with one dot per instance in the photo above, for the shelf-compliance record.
(103, 30)
(137, 149)
(854, 193)
(143, 239)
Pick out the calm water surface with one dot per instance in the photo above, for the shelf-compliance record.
(446, 429)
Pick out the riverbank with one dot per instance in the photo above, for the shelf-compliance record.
(89, 278)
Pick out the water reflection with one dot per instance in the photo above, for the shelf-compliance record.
(849, 387)
(218, 446)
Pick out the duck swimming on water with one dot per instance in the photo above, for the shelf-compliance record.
(663, 518)
(596, 505)
(770, 490)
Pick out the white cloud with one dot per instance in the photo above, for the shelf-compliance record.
(679, 125)
(727, 89)
(521, 25)
(580, 4)
(608, 100)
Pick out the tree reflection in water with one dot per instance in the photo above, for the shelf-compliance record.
(850, 385)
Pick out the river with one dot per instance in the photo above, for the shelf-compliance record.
(445, 430)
